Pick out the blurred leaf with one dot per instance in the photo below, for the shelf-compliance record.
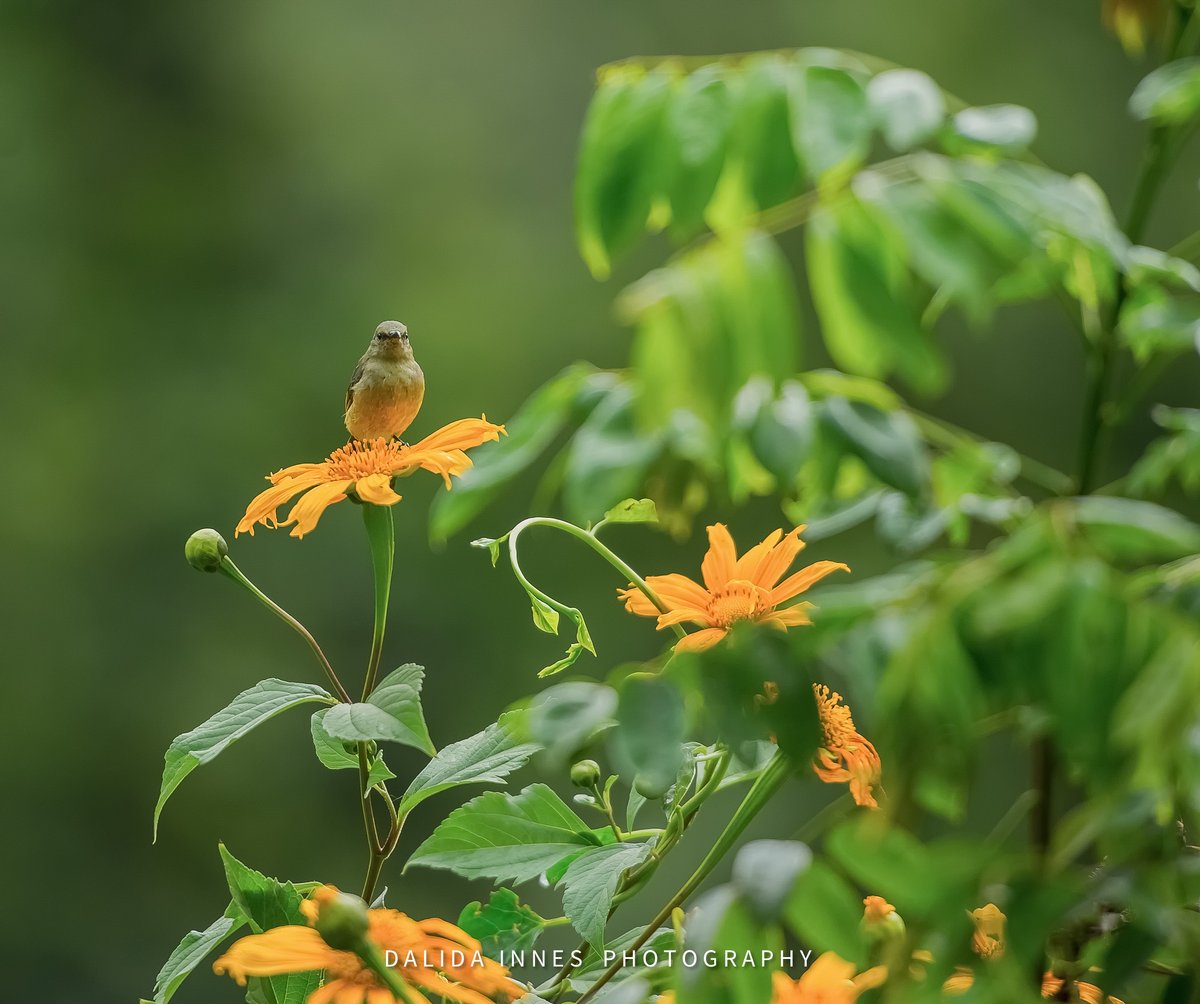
(208, 740)
(392, 713)
(908, 107)
(720, 922)
(887, 442)
(1154, 322)
(1173, 456)
(650, 732)
(594, 959)
(267, 903)
(620, 163)
(824, 912)
(1168, 95)
(487, 757)
(1009, 127)
(861, 292)
(566, 717)
(591, 882)
(764, 872)
(496, 465)
(633, 511)
(1135, 531)
(505, 837)
(194, 949)
(779, 427)
(608, 457)
(762, 136)
(696, 129)
(502, 926)
(831, 125)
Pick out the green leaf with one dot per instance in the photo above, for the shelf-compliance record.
(779, 427)
(862, 295)
(831, 126)
(566, 717)
(620, 167)
(764, 872)
(545, 617)
(392, 713)
(496, 465)
(887, 442)
(505, 837)
(762, 134)
(633, 511)
(492, 544)
(824, 912)
(696, 131)
(487, 757)
(1169, 95)
(594, 960)
(208, 740)
(650, 732)
(1135, 531)
(574, 651)
(721, 923)
(1009, 127)
(1175, 455)
(908, 107)
(339, 755)
(503, 925)
(269, 903)
(591, 882)
(192, 950)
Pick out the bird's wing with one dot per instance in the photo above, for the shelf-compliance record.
(358, 372)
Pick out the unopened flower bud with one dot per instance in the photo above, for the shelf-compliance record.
(342, 921)
(880, 919)
(205, 549)
(585, 774)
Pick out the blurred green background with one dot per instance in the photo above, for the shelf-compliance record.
(206, 209)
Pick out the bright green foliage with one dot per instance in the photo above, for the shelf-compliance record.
(392, 713)
(193, 949)
(591, 881)
(503, 924)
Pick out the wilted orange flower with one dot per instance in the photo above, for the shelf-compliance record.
(829, 980)
(988, 939)
(367, 469)
(430, 954)
(844, 754)
(735, 589)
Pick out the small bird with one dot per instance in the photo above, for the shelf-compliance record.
(387, 387)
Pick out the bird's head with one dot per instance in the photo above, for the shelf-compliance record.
(391, 341)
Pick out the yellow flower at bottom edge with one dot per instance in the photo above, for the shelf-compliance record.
(829, 980)
(431, 955)
(367, 468)
(845, 756)
(735, 589)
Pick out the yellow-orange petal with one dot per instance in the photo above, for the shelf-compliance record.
(460, 435)
(700, 640)
(682, 616)
(719, 563)
(959, 982)
(749, 564)
(677, 590)
(376, 489)
(312, 505)
(281, 950)
(264, 506)
(780, 559)
(808, 576)
(636, 602)
(793, 616)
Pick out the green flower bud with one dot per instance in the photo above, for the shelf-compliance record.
(205, 549)
(585, 774)
(342, 921)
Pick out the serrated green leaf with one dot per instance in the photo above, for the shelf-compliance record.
(1168, 95)
(502, 925)
(908, 107)
(633, 511)
(246, 712)
(192, 950)
(392, 713)
(505, 837)
(487, 757)
(591, 882)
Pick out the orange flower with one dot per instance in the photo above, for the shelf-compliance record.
(988, 939)
(845, 755)
(430, 954)
(1089, 993)
(367, 469)
(829, 980)
(735, 589)
(876, 909)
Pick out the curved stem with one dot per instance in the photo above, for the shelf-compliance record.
(596, 545)
(233, 572)
(760, 793)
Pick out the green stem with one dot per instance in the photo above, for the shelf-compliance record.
(381, 533)
(760, 793)
(233, 572)
(596, 545)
